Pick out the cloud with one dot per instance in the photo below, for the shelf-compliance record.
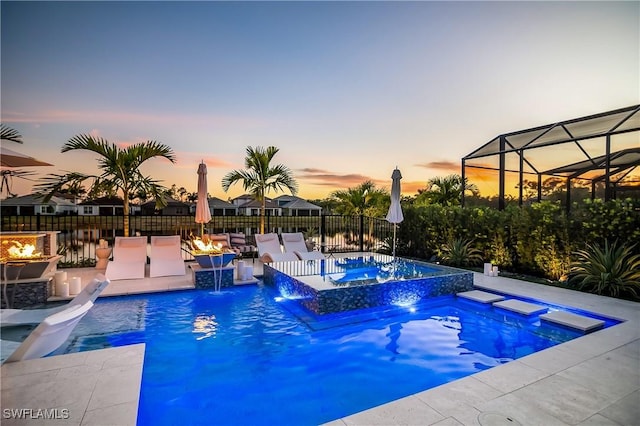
(448, 166)
(339, 181)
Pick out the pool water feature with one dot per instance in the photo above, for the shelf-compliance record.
(363, 281)
(239, 357)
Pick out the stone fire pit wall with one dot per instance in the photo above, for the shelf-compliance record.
(28, 294)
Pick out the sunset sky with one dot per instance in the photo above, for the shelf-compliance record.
(346, 90)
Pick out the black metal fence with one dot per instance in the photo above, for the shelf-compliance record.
(78, 236)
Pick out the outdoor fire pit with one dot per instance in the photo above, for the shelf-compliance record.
(27, 260)
(209, 255)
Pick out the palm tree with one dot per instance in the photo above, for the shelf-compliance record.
(260, 177)
(120, 171)
(446, 191)
(364, 199)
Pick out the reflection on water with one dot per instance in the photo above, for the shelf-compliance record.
(205, 325)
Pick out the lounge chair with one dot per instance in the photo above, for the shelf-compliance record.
(129, 258)
(48, 336)
(294, 243)
(166, 256)
(12, 317)
(239, 242)
(269, 249)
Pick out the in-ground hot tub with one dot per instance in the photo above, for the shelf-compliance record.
(363, 281)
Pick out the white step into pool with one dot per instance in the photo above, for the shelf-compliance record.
(480, 296)
(579, 322)
(520, 307)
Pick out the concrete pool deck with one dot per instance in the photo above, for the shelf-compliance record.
(592, 380)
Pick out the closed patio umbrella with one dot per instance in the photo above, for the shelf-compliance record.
(203, 214)
(395, 215)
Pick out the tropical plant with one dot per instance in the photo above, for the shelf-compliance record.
(9, 134)
(459, 252)
(260, 177)
(120, 171)
(446, 191)
(612, 270)
(365, 199)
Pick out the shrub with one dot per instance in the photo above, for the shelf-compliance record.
(459, 252)
(613, 270)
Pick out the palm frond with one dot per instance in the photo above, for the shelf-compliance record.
(9, 134)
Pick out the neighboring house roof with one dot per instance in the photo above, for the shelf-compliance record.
(257, 204)
(35, 200)
(297, 203)
(217, 203)
(170, 203)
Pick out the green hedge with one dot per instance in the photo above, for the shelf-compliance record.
(538, 239)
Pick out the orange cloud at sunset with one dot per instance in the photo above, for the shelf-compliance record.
(446, 166)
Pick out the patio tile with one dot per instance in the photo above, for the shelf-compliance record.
(564, 399)
(11, 369)
(449, 421)
(521, 410)
(28, 379)
(116, 386)
(626, 411)
(599, 420)
(465, 415)
(552, 360)
(407, 411)
(510, 376)
(449, 398)
(601, 341)
(611, 374)
(122, 415)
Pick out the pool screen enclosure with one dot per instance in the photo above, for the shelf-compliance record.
(597, 154)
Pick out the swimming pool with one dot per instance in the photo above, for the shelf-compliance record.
(239, 357)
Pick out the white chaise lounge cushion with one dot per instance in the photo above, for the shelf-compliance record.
(166, 256)
(269, 249)
(129, 258)
(50, 334)
(294, 243)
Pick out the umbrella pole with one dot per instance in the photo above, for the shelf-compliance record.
(394, 241)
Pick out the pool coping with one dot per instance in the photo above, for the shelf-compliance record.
(589, 380)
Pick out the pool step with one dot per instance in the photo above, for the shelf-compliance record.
(579, 322)
(520, 307)
(480, 296)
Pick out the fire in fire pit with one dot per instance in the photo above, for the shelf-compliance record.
(20, 251)
(36, 249)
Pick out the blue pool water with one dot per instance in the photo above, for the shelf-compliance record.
(239, 357)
